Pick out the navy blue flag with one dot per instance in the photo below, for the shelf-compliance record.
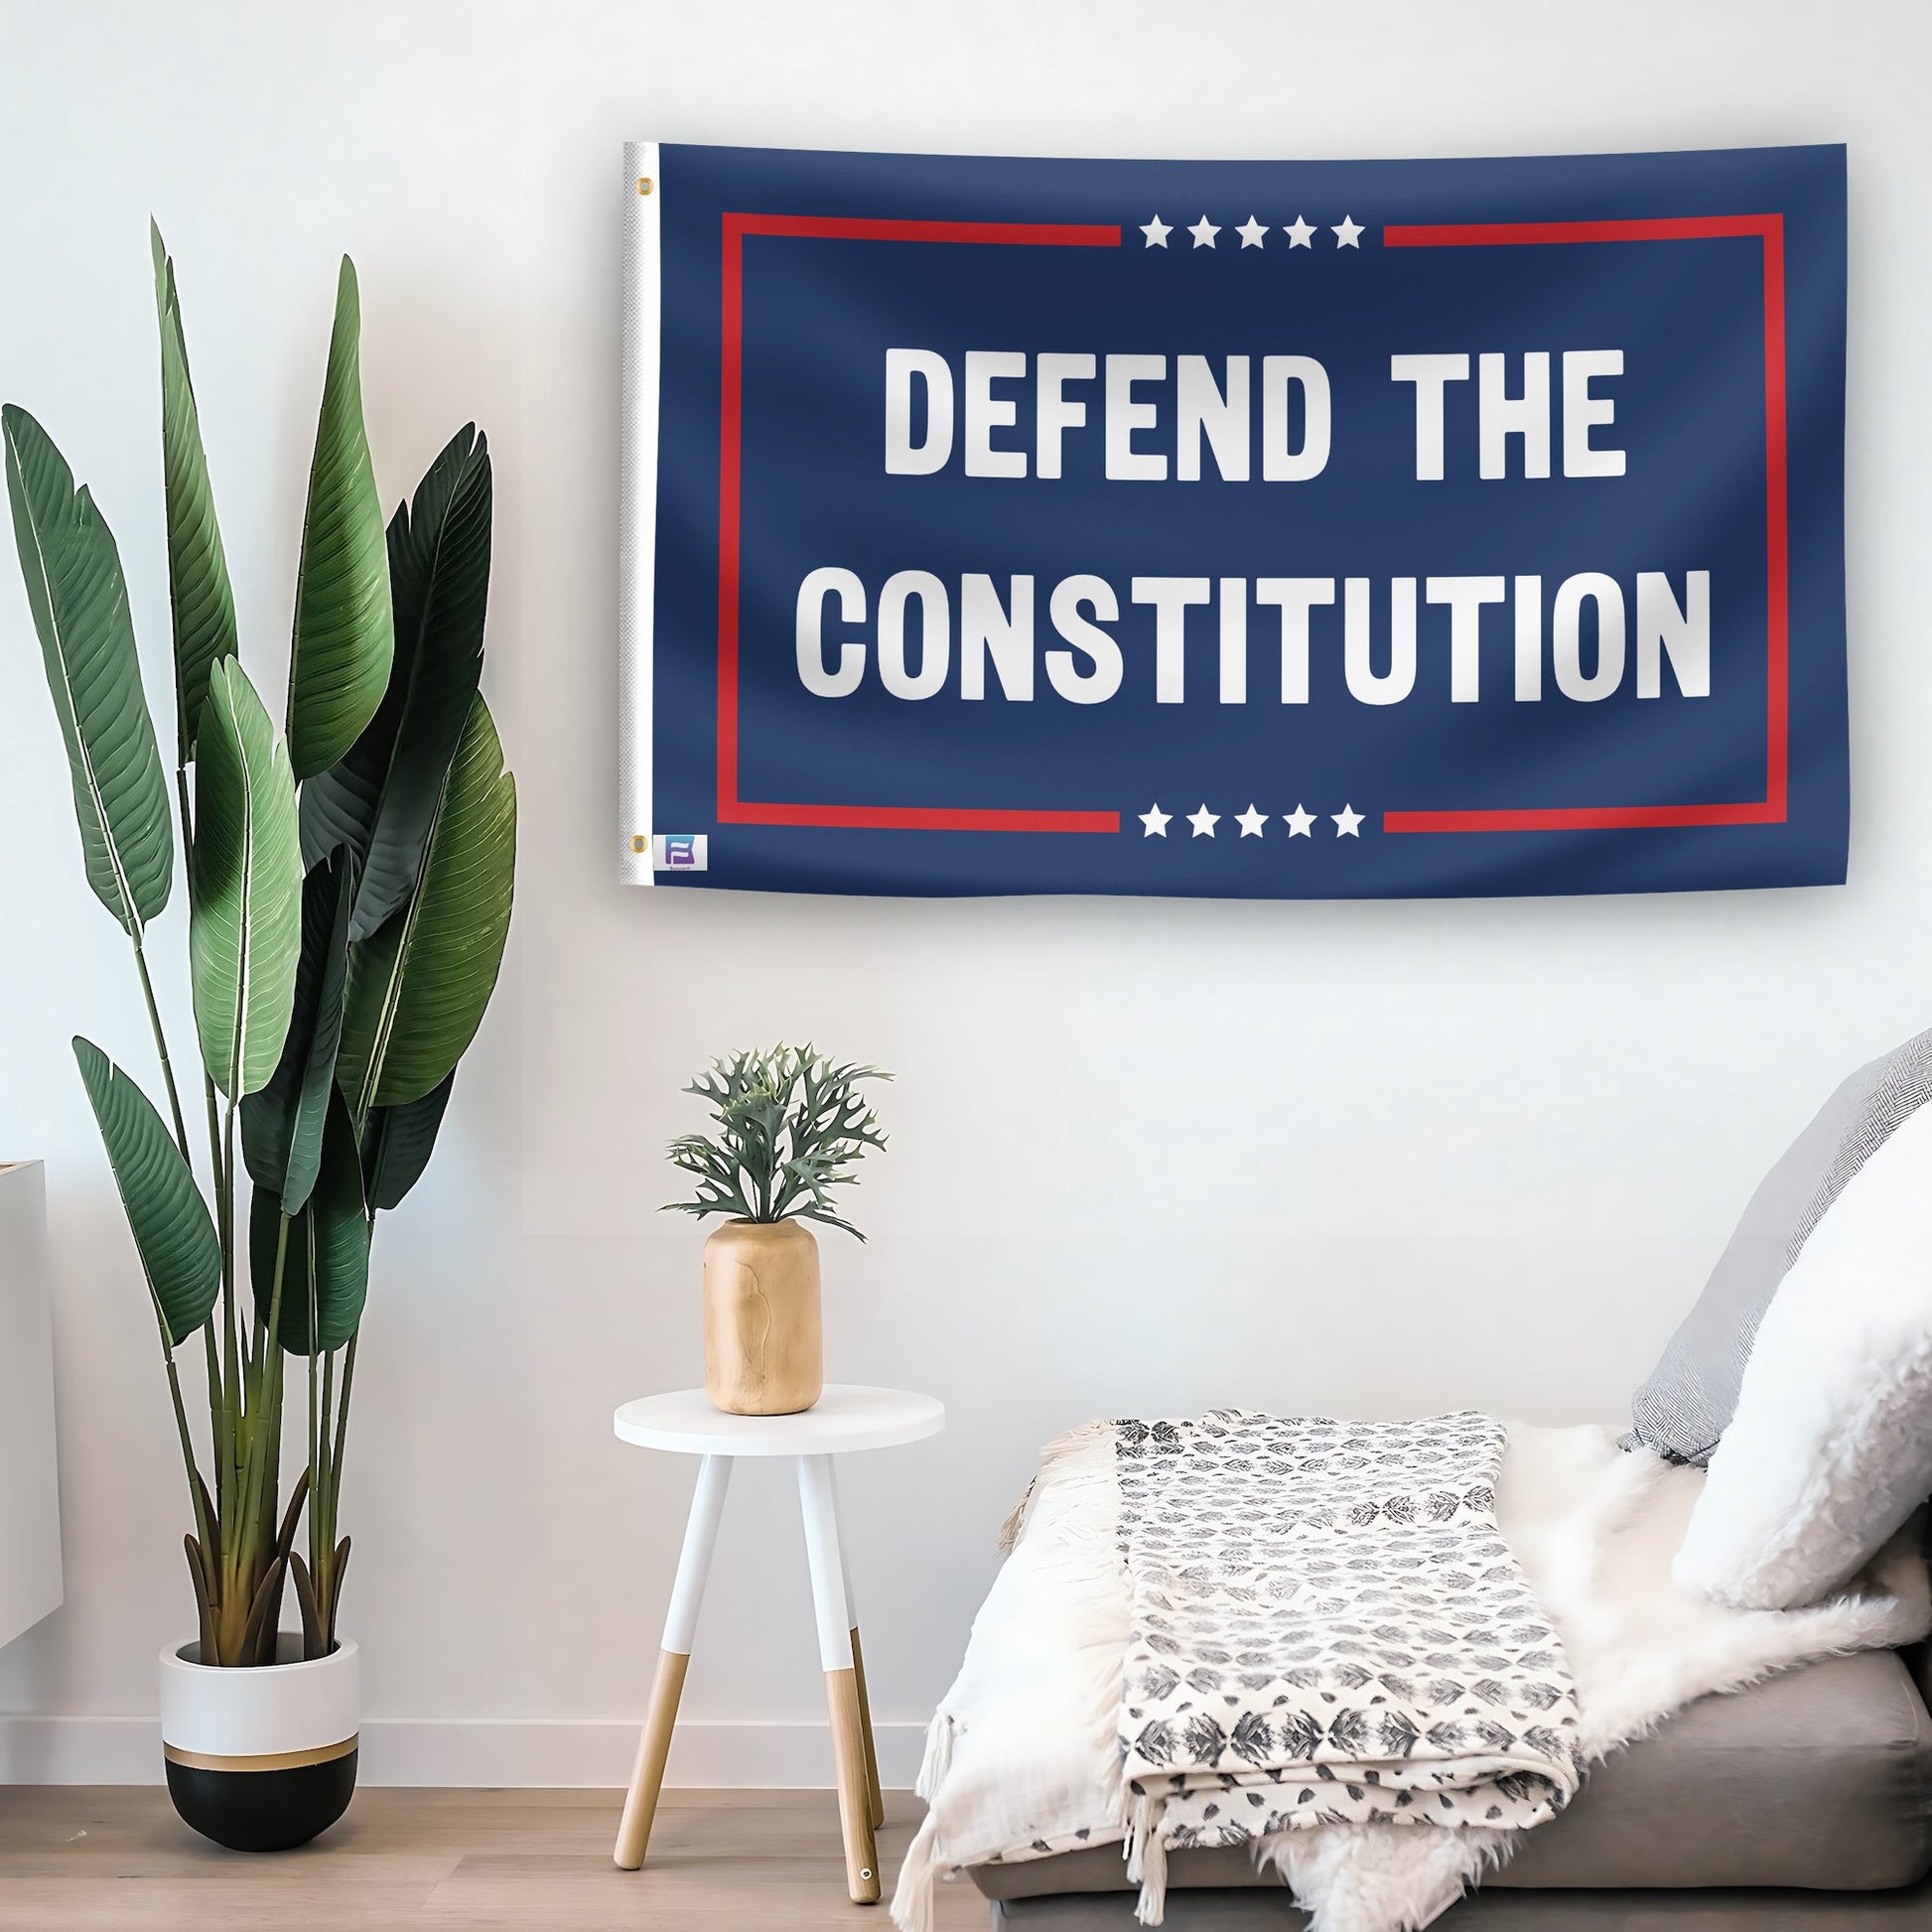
(1301, 530)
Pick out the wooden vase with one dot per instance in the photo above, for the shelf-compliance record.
(764, 1345)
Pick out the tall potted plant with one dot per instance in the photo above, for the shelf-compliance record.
(789, 1125)
(348, 884)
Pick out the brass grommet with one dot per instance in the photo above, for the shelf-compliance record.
(644, 184)
(638, 841)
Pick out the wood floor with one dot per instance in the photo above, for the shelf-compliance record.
(116, 1859)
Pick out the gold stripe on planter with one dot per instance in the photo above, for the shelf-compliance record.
(267, 1762)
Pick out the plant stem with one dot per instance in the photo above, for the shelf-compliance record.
(201, 1525)
(246, 1562)
(160, 1048)
(230, 1347)
(321, 1521)
(220, 1396)
(267, 1412)
(322, 1527)
(186, 814)
(234, 1414)
(317, 1431)
(341, 1413)
(190, 1467)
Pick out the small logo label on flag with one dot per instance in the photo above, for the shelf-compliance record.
(679, 852)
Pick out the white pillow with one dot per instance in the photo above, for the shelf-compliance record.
(1830, 1451)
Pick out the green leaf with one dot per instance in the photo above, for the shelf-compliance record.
(172, 1233)
(78, 599)
(791, 1126)
(418, 989)
(398, 1144)
(326, 1265)
(380, 798)
(281, 1126)
(244, 934)
(344, 631)
(198, 570)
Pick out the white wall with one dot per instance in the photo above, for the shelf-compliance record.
(1370, 1158)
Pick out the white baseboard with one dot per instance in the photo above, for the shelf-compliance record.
(481, 1752)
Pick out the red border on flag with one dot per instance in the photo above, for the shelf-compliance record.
(732, 810)
(1770, 809)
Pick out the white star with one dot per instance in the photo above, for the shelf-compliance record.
(1348, 234)
(1300, 823)
(1348, 823)
(1251, 822)
(1203, 232)
(1157, 233)
(1204, 822)
(1251, 233)
(1302, 234)
(1155, 822)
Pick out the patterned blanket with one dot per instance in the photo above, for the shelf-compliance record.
(1326, 1626)
(1023, 1754)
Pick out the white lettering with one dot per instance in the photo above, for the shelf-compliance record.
(935, 648)
(1295, 595)
(1364, 683)
(1234, 640)
(1429, 374)
(812, 593)
(1529, 640)
(1680, 632)
(1072, 595)
(1581, 412)
(1054, 412)
(1566, 635)
(1171, 597)
(1280, 463)
(1003, 632)
(1125, 463)
(1465, 596)
(1500, 415)
(904, 457)
(1201, 407)
(985, 412)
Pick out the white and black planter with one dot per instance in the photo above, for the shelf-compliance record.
(261, 1759)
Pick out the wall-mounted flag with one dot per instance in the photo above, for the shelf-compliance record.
(1311, 530)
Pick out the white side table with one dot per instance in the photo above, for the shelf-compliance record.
(845, 1419)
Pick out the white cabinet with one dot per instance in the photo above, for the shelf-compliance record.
(30, 1511)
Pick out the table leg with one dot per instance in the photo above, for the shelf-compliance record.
(878, 1797)
(680, 1626)
(819, 1508)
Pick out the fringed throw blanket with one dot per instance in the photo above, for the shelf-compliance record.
(1326, 1626)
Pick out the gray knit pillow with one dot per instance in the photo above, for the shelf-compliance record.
(1692, 1394)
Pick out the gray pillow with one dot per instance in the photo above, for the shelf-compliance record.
(1684, 1408)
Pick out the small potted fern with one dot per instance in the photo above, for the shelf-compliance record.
(788, 1127)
